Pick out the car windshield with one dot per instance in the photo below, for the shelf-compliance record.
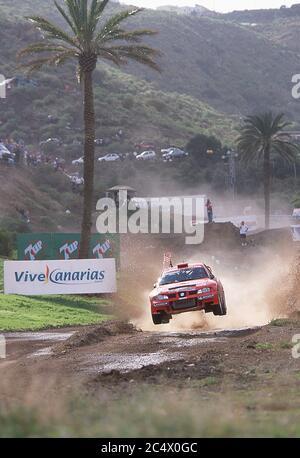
(178, 276)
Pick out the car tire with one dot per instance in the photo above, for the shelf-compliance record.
(161, 318)
(157, 318)
(220, 309)
(166, 318)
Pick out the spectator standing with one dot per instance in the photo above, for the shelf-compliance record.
(243, 233)
(209, 208)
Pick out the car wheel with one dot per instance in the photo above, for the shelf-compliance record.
(166, 318)
(224, 306)
(157, 318)
(161, 318)
(220, 309)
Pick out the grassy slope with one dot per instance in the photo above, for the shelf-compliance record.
(182, 413)
(229, 66)
(218, 61)
(122, 101)
(20, 313)
(283, 32)
(44, 193)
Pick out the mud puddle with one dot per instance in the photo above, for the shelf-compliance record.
(191, 334)
(38, 336)
(42, 352)
(126, 363)
(173, 346)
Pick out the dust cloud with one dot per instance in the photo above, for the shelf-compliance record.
(254, 280)
(254, 277)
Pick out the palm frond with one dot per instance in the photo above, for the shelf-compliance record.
(83, 8)
(140, 53)
(110, 26)
(129, 36)
(42, 47)
(286, 149)
(55, 59)
(66, 18)
(74, 14)
(52, 31)
(108, 54)
(96, 10)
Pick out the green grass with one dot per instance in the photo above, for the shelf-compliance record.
(1, 273)
(280, 322)
(264, 346)
(286, 345)
(148, 413)
(42, 312)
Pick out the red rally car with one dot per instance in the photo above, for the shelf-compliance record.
(186, 288)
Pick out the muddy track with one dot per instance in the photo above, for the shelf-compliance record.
(237, 357)
(120, 354)
(121, 350)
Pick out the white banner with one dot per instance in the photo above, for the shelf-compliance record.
(296, 233)
(60, 277)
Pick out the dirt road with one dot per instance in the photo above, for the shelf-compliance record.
(111, 355)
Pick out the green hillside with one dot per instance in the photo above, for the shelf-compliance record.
(141, 109)
(282, 32)
(207, 62)
(232, 67)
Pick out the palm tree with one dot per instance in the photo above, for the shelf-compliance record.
(88, 36)
(260, 136)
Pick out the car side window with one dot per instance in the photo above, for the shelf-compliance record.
(210, 273)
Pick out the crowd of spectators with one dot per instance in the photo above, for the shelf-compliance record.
(16, 153)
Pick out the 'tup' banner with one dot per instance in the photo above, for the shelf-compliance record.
(43, 246)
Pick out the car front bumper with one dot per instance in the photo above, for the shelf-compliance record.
(187, 304)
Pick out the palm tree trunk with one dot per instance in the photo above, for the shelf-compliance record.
(267, 185)
(89, 160)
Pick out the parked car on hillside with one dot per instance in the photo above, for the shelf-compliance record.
(112, 157)
(167, 150)
(79, 161)
(146, 156)
(54, 141)
(174, 153)
(143, 146)
(76, 142)
(6, 156)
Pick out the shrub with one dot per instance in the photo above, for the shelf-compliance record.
(296, 201)
(13, 225)
(6, 243)
(128, 102)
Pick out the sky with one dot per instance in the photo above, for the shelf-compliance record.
(215, 5)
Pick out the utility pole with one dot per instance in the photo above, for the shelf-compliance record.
(230, 158)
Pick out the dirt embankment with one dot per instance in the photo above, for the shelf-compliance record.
(93, 335)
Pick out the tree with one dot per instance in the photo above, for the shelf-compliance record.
(87, 37)
(204, 149)
(260, 136)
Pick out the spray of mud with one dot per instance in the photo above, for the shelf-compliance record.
(254, 279)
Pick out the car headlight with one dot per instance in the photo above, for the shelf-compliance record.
(161, 297)
(203, 290)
